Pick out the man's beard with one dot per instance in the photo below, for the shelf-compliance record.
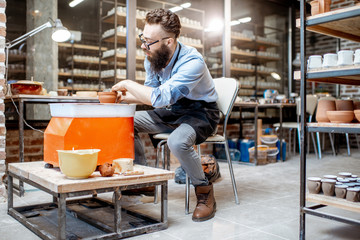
(159, 59)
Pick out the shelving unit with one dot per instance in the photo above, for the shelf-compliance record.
(17, 65)
(249, 57)
(342, 23)
(82, 71)
(113, 34)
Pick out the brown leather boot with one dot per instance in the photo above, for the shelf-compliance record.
(206, 205)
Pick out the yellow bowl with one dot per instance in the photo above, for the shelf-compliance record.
(77, 164)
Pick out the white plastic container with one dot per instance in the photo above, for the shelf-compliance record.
(92, 110)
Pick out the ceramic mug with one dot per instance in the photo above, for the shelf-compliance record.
(340, 191)
(357, 57)
(328, 186)
(344, 174)
(345, 57)
(330, 60)
(314, 62)
(314, 184)
(353, 194)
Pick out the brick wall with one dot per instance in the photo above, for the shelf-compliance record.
(2, 96)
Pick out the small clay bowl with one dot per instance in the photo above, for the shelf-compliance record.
(107, 97)
(340, 116)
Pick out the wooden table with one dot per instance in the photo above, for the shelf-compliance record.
(55, 183)
(256, 107)
(20, 102)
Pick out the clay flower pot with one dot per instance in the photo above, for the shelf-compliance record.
(340, 116)
(107, 97)
(324, 105)
(344, 105)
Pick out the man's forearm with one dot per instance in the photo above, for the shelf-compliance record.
(139, 92)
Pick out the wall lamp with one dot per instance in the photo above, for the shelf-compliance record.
(60, 34)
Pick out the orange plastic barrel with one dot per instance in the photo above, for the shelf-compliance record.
(113, 135)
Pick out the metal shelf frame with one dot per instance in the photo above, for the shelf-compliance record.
(341, 128)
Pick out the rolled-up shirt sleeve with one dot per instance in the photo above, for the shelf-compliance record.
(181, 83)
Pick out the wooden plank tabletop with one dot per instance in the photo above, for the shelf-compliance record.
(54, 180)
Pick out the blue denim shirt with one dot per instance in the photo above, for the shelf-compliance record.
(189, 77)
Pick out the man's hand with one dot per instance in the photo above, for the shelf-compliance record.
(120, 86)
(132, 92)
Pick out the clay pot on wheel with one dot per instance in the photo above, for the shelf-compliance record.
(324, 105)
(107, 97)
(344, 105)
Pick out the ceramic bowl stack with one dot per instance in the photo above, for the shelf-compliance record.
(337, 111)
(344, 185)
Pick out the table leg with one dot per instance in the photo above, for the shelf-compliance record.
(256, 139)
(21, 141)
(10, 192)
(117, 205)
(164, 202)
(281, 133)
(61, 216)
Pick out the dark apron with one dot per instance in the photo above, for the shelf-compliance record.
(202, 116)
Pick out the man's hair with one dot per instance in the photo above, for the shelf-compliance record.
(168, 20)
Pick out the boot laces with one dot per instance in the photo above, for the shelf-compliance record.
(203, 198)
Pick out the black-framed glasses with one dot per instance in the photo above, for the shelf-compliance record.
(147, 45)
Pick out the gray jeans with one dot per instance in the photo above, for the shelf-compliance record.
(181, 143)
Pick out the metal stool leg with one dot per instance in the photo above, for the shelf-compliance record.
(231, 172)
(314, 143)
(159, 154)
(187, 194)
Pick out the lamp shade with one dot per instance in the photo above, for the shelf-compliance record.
(60, 34)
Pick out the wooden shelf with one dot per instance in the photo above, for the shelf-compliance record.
(16, 58)
(333, 201)
(121, 38)
(122, 57)
(334, 127)
(266, 43)
(335, 24)
(120, 77)
(76, 75)
(78, 89)
(82, 46)
(121, 19)
(343, 75)
(243, 42)
(14, 71)
(90, 62)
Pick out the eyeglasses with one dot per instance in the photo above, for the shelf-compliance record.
(147, 45)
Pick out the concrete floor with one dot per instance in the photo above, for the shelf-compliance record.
(269, 205)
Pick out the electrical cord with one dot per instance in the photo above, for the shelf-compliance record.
(18, 112)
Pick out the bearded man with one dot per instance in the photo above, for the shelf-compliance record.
(180, 88)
